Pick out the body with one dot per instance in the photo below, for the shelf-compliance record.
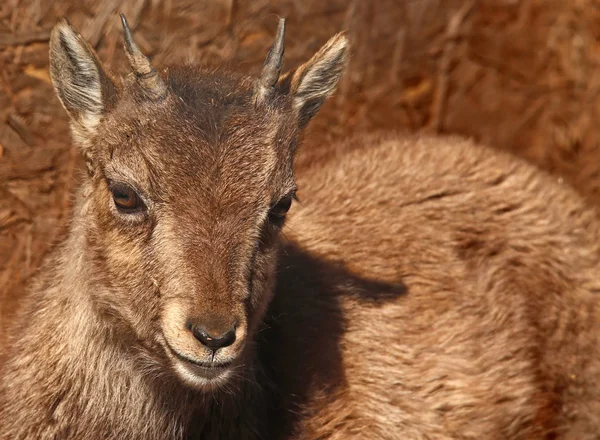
(464, 282)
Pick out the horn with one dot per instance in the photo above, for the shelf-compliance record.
(147, 77)
(273, 63)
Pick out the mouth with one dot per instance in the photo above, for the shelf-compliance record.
(200, 372)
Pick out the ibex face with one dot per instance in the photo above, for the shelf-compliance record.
(189, 180)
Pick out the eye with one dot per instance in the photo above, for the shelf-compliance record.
(279, 210)
(126, 199)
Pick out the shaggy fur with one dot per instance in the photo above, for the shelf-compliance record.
(496, 334)
(422, 288)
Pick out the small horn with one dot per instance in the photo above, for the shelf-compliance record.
(147, 77)
(272, 67)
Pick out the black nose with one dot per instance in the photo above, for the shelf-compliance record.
(214, 342)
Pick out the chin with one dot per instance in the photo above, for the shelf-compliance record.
(198, 374)
(201, 377)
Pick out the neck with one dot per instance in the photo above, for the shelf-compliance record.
(85, 384)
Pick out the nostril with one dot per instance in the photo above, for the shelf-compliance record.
(214, 342)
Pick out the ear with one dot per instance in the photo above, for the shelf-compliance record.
(81, 84)
(313, 82)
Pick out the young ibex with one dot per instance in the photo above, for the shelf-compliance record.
(425, 288)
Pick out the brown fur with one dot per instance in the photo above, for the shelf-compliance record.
(422, 288)
(496, 335)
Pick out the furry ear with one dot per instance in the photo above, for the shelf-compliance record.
(314, 81)
(81, 84)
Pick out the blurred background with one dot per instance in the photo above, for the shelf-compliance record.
(520, 75)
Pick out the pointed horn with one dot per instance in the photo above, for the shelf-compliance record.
(147, 77)
(273, 63)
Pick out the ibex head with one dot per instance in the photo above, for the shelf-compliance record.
(189, 182)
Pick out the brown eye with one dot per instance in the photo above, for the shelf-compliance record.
(279, 210)
(125, 198)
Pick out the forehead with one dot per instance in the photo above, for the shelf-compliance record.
(206, 136)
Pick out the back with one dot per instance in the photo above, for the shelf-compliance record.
(453, 288)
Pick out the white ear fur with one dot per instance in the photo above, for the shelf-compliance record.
(79, 81)
(313, 82)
